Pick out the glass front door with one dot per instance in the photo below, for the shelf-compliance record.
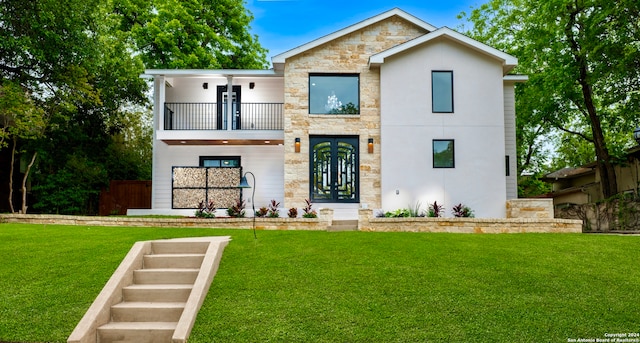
(334, 169)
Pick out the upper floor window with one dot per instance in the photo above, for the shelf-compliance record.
(220, 161)
(442, 91)
(334, 94)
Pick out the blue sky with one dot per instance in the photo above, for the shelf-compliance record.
(282, 25)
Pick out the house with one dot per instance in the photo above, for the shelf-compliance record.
(581, 185)
(383, 114)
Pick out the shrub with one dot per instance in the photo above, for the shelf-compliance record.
(206, 210)
(308, 212)
(262, 212)
(293, 212)
(273, 209)
(399, 213)
(461, 210)
(237, 210)
(435, 210)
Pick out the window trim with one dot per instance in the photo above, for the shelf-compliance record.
(357, 75)
(453, 153)
(433, 110)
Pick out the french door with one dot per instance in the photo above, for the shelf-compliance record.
(223, 97)
(334, 169)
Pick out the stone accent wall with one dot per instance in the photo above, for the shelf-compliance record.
(348, 54)
(467, 225)
(530, 208)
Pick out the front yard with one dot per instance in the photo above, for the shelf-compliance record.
(346, 286)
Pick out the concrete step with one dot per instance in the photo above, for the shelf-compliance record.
(147, 311)
(343, 225)
(177, 247)
(157, 293)
(136, 332)
(173, 261)
(165, 276)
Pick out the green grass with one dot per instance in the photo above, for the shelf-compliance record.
(304, 286)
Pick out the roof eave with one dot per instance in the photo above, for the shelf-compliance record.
(211, 72)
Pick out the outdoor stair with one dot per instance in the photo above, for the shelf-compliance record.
(155, 294)
(343, 225)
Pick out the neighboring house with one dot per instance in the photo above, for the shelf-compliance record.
(581, 185)
(383, 114)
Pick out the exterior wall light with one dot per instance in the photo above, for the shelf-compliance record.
(297, 145)
(370, 145)
(205, 85)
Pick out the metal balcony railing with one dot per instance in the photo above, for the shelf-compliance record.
(210, 116)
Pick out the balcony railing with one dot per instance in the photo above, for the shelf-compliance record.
(205, 116)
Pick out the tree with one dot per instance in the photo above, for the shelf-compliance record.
(63, 60)
(583, 65)
(196, 34)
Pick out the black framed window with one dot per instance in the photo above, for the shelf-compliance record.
(220, 161)
(442, 91)
(334, 94)
(443, 153)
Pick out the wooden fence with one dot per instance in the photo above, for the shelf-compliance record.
(123, 195)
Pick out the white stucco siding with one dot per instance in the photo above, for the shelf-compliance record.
(265, 162)
(476, 126)
(266, 89)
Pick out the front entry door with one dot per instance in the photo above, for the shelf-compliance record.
(223, 97)
(334, 169)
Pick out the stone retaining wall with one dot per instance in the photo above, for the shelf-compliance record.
(530, 208)
(366, 223)
(466, 225)
(218, 223)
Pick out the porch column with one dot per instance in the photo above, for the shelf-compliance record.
(159, 97)
(230, 113)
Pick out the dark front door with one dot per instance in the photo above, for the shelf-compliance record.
(222, 98)
(334, 169)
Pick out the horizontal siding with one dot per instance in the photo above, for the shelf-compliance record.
(191, 90)
(265, 162)
(510, 140)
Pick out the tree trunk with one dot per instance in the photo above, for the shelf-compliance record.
(608, 181)
(13, 158)
(24, 183)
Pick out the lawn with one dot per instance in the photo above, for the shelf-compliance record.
(301, 286)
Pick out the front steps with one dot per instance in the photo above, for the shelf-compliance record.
(343, 225)
(155, 294)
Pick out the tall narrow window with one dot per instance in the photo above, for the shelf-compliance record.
(442, 91)
(334, 94)
(443, 153)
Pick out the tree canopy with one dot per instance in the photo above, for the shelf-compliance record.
(70, 91)
(583, 62)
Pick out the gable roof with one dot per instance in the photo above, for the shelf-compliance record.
(278, 60)
(508, 61)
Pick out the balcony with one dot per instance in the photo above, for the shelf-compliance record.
(213, 116)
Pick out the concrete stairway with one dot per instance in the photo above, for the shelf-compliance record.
(155, 294)
(343, 225)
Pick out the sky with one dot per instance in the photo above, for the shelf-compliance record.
(282, 25)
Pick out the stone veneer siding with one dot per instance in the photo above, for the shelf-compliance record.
(347, 54)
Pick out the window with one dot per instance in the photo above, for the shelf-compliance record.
(334, 94)
(443, 153)
(220, 161)
(442, 91)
